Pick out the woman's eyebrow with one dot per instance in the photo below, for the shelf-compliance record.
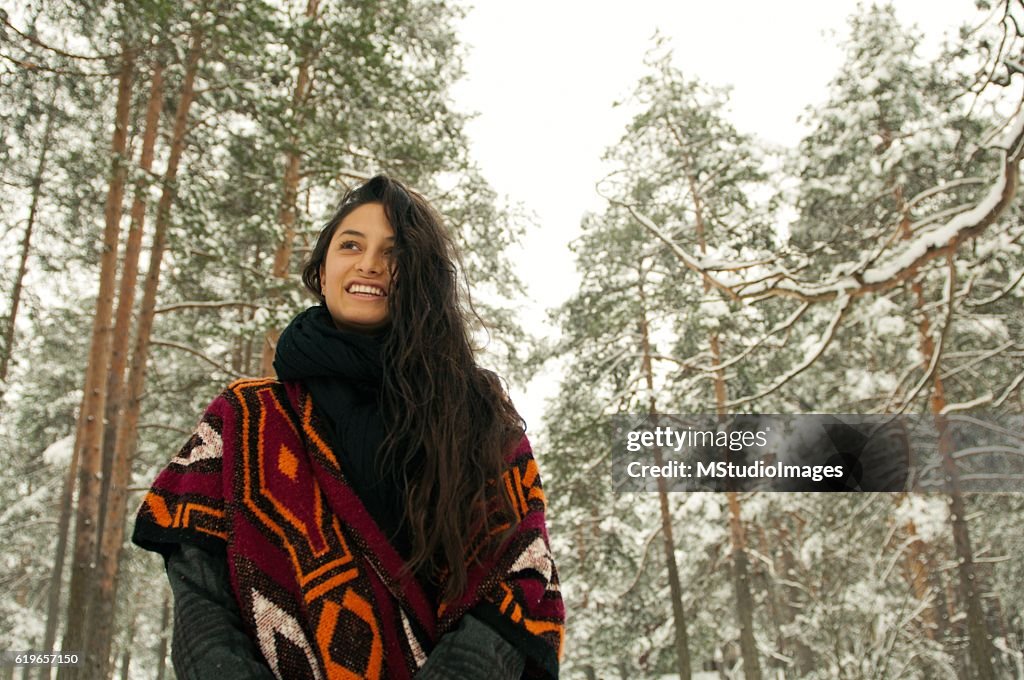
(353, 232)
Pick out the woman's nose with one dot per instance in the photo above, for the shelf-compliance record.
(370, 262)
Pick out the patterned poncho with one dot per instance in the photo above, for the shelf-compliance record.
(320, 588)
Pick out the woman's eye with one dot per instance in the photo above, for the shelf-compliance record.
(349, 245)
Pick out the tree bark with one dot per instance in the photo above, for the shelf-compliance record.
(794, 644)
(773, 600)
(126, 293)
(90, 432)
(57, 575)
(98, 662)
(26, 247)
(126, 660)
(290, 192)
(682, 642)
(126, 654)
(741, 580)
(980, 645)
(64, 520)
(165, 622)
(916, 557)
(741, 585)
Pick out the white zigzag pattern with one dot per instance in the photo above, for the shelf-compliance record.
(536, 557)
(212, 446)
(272, 619)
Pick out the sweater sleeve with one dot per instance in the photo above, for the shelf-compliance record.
(473, 651)
(209, 639)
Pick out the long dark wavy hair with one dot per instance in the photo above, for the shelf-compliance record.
(435, 399)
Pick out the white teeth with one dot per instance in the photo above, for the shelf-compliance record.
(369, 290)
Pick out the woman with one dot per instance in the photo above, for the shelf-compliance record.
(376, 511)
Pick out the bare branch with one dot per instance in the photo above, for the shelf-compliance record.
(784, 325)
(643, 561)
(216, 304)
(997, 296)
(977, 360)
(988, 425)
(56, 50)
(213, 362)
(844, 303)
(33, 66)
(162, 426)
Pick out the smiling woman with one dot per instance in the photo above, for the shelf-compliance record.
(355, 274)
(375, 511)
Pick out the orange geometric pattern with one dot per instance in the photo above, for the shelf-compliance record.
(287, 463)
(522, 487)
(327, 628)
(186, 515)
(320, 587)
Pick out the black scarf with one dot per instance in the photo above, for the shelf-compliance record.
(343, 372)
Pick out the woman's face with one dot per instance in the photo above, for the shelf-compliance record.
(355, 277)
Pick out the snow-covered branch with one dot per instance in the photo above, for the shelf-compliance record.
(945, 186)
(967, 405)
(784, 325)
(1013, 386)
(869, 277)
(980, 357)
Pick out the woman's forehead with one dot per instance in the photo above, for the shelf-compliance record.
(368, 220)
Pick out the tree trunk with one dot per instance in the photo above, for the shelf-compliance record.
(57, 575)
(741, 585)
(247, 357)
(741, 580)
(290, 192)
(682, 642)
(89, 441)
(980, 644)
(126, 660)
(64, 518)
(916, 557)
(794, 644)
(161, 650)
(26, 247)
(238, 346)
(98, 667)
(773, 600)
(126, 293)
(126, 654)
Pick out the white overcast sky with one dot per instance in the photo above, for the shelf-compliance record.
(543, 77)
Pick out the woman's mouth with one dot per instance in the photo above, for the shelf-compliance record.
(363, 290)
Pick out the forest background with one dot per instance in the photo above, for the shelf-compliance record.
(166, 165)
